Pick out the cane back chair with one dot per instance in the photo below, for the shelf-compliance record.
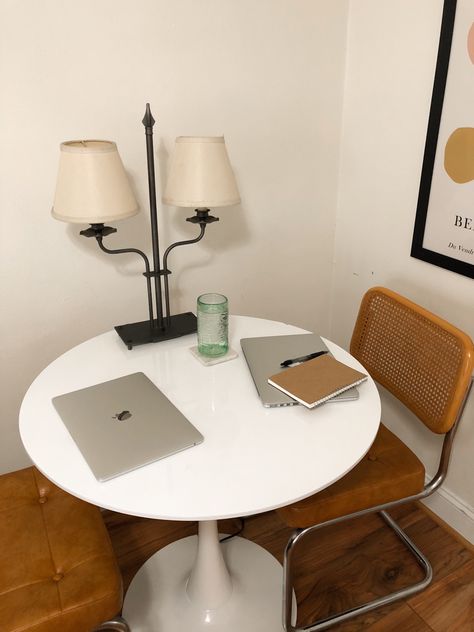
(427, 364)
(58, 571)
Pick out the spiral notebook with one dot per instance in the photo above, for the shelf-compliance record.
(317, 380)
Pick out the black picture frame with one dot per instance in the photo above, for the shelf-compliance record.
(431, 147)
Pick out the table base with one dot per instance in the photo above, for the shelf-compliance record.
(157, 600)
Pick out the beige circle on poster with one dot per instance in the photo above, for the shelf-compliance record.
(470, 43)
(459, 155)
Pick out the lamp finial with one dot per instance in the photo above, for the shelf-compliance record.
(148, 120)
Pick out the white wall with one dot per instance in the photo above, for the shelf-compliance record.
(267, 74)
(392, 49)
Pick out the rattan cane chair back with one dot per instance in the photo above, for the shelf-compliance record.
(421, 359)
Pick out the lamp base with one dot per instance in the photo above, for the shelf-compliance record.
(134, 334)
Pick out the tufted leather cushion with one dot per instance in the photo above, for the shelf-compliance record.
(389, 471)
(58, 571)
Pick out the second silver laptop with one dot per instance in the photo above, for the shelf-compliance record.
(264, 356)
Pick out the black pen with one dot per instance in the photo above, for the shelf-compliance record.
(310, 356)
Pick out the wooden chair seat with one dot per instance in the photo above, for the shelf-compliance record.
(388, 472)
(58, 571)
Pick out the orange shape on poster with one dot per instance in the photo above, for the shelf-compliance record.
(470, 43)
(459, 155)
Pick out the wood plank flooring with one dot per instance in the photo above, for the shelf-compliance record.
(341, 566)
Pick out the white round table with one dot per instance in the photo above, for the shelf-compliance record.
(253, 459)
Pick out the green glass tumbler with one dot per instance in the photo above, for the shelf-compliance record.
(213, 325)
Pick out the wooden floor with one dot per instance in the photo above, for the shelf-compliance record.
(342, 566)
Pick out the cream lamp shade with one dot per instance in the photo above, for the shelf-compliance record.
(200, 175)
(92, 186)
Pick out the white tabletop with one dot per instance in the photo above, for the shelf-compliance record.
(252, 459)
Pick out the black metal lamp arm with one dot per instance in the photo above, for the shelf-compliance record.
(168, 272)
(120, 251)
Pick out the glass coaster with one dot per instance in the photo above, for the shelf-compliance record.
(230, 355)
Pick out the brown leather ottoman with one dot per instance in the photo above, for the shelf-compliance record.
(58, 572)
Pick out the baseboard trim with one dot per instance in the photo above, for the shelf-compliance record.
(453, 511)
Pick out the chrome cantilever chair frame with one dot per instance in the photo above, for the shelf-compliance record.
(299, 533)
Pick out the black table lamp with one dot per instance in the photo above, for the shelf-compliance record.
(93, 188)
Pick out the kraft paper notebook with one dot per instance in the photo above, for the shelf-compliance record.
(315, 381)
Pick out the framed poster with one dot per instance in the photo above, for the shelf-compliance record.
(444, 225)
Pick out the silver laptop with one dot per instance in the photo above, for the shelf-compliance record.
(264, 355)
(124, 424)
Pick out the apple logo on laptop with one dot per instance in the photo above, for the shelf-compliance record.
(123, 416)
